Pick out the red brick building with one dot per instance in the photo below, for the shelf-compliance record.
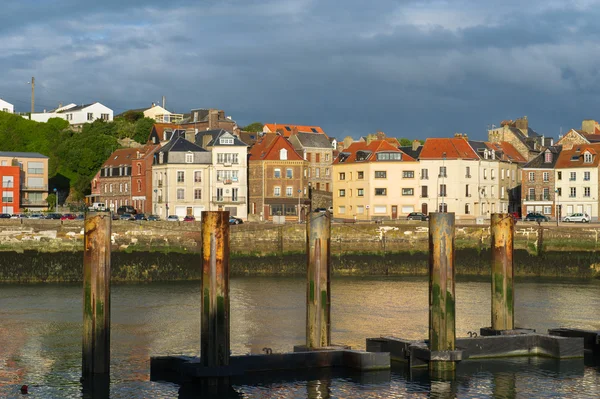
(141, 178)
(11, 183)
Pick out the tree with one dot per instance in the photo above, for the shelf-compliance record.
(254, 127)
(51, 201)
(142, 129)
(132, 116)
(405, 142)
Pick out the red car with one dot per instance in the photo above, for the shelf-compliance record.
(67, 216)
(189, 219)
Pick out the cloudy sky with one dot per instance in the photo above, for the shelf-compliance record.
(411, 68)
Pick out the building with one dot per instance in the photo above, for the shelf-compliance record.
(114, 181)
(163, 132)
(158, 113)
(32, 182)
(278, 180)
(181, 178)
(5, 106)
(576, 176)
(538, 183)
(589, 133)
(527, 141)
(317, 150)
(141, 178)
(229, 177)
(375, 181)
(76, 115)
(208, 119)
(11, 193)
(287, 130)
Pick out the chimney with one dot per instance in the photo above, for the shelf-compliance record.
(153, 105)
(523, 125)
(380, 135)
(213, 119)
(294, 130)
(207, 138)
(190, 135)
(415, 145)
(589, 126)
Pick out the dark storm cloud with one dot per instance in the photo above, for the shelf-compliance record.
(410, 68)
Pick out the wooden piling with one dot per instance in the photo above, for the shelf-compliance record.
(502, 235)
(442, 328)
(96, 294)
(214, 339)
(318, 293)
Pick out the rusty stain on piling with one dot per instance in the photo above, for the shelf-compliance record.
(96, 295)
(318, 292)
(502, 236)
(442, 323)
(215, 320)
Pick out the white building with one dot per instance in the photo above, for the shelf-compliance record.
(5, 106)
(76, 115)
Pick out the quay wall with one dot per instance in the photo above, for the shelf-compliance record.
(48, 250)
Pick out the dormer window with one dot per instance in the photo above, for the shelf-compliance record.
(189, 157)
(548, 157)
(225, 140)
(283, 154)
(587, 157)
(161, 157)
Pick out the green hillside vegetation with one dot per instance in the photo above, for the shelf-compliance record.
(75, 157)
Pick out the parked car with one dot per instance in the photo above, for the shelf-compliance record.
(5, 215)
(140, 216)
(80, 216)
(55, 216)
(577, 217)
(153, 218)
(189, 218)
(19, 216)
(417, 216)
(320, 210)
(173, 218)
(126, 209)
(127, 216)
(67, 216)
(234, 220)
(536, 217)
(36, 216)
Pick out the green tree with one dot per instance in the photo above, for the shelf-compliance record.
(51, 201)
(405, 142)
(254, 127)
(142, 129)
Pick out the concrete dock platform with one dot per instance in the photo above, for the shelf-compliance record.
(591, 338)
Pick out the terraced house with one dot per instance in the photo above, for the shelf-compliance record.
(538, 185)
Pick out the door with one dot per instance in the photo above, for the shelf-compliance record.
(424, 209)
(189, 211)
(394, 211)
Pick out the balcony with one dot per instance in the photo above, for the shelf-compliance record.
(25, 187)
(539, 197)
(159, 184)
(571, 179)
(229, 200)
(227, 181)
(442, 175)
(468, 176)
(159, 200)
(27, 201)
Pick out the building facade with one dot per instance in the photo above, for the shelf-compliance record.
(11, 194)
(5, 106)
(114, 181)
(527, 141)
(141, 178)
(33, 182)
(538, 182)
(317, 150)
(76, 115)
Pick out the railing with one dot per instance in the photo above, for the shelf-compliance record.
(160, 200)
(442, 175)
(229, 199)
(27, 201)
(25, 187)
(159, 184)
(539, 197)
(468, 176)
(571, 179)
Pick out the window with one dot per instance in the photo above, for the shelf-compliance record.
(380, 174)
(283, 154)
(424, 193)
(341, 210)
(513, 174)
(189, 158)
(360, 192)
(104, 117)
(443, 171)
(289, 173)
(559, 191)
(558, 175)
(227, 176)
(586, 176)
(493, 173)
(289, 191)
(180, 176)
(408, 191)
(277, 210)
(342, 176)
(424, 174)
(277, 191)
(573, 176)
(90, 116)
(587, 157)
(360, 175)
(342, 192)
(277, 173)
(234, 194)
(573, 192)
(548, 157)
(197, 193)
(8, 181)
(485, 173)
(502, 192)
(389, 156)
(317, 157)
(326, 157)
(227, 158)
(546, 194)
(531, 176)
(467, 193)
(586, 191)
(126, 187)
(226, 140)
(379, 209)
(468, 172)
(546, 176)
(35, 168)
(318, 172)
(327, 172)
(7, 196)
(308, 156)
(502, 174)
(197, 176)
(180, 193)
(110, 188)
(442, 190)
(360, 209)
(380, 191)
(121, 187)
(408, 174)
(547, 210)
(219, 194)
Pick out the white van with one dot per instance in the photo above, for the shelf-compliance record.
(98, 206)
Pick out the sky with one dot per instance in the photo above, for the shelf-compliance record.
(409, 68)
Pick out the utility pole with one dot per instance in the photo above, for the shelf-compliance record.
(164, 101)
(32, 94)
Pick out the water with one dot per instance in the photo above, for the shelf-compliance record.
(40, 337)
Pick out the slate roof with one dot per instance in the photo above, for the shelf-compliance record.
(21, 154)
(349, 155)
(249, 137)
(413, 153)
(215, 134)
(538, 161)
(312, 140)
(527, 140)
(179, 144)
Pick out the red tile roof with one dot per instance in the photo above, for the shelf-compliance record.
(509, 152)
(374, 147)
(124, 156)
(268, 147)
(286, 130)
(573, 157)
(455, 148)
(160, 127)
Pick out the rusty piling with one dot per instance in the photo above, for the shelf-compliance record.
(318, 293)
(502, 235)
(442, 325)
(214, 338)
(96, 294)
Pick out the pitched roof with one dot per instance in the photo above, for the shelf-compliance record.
(312, 140)
(507, 152)
(15, 154)
(75, 108)
(539, 161)
(573, 156)
(286, 130)
(409, 151)
(215, 134)
(249, 137)
(451, 148)
(121, 157)
(360, 149)
(180, 144)
(269, 146)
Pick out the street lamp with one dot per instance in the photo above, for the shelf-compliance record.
(56, 196)
(557, 212)
(155, 199)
